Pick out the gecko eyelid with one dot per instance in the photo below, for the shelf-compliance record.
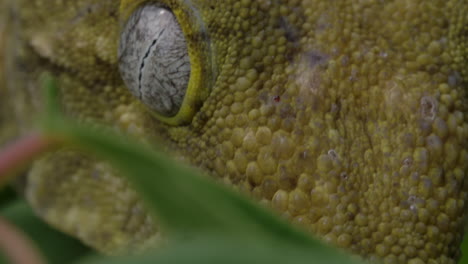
(153, 59)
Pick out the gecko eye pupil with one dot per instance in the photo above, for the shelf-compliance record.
(153, 59)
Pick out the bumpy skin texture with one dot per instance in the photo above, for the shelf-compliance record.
(347, 117)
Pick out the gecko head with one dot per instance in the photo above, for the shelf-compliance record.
(344, 120)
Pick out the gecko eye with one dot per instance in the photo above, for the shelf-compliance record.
(153, 59)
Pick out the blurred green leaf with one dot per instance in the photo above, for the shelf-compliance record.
(230, 251)
(184, 201)
(464, 250)
(7, 195)
(55, 246)
(192, 207)
(3, 259)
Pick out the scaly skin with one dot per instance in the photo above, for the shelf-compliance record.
(347, 117)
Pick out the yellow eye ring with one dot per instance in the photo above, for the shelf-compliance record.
(199, 52)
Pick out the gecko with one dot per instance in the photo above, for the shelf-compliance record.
(347, 118)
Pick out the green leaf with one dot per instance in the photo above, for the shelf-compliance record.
(189, 205)
(185, 201)
(229, 251)
(51, 94)
(464, 249)
(6, 195)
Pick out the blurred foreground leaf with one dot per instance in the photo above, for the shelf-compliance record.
(464, 249)
(229, 251)
(192, 208)
(6, 195)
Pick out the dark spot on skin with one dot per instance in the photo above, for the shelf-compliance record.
(344, 176)
(425, 127)
(454, 79)
(260, 67)
(315, 58)
(286, 179)
(333, 155)
(303, 155)
(335, 109)
(408, 161)
(291, 32)
(286, 111)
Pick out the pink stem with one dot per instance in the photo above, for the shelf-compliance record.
(21, 152)
(16, 247)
